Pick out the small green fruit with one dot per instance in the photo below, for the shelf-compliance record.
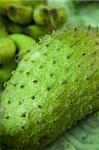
(58, 17)
(7, 50)
(41, 15)
(20, 14)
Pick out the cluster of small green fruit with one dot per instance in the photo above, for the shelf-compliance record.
(22, 23)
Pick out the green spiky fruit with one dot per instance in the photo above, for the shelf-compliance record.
(20, 14)
(41, 15)
(7, 50)
(54, 86)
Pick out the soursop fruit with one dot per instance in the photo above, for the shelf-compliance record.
(53, 87)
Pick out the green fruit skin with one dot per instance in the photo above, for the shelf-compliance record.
(23, 42)
(41, 15)
(7, 50)
(5, 71)
(36, 31)
(54, 86)
(20, 14)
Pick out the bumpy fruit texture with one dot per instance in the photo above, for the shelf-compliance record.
(23, 42)
(20, 14)
(58, 17)
(41, 15)
(7, 50)
(54, 86)
(5, 71)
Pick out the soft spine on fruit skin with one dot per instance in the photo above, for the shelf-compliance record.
(54, 86)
